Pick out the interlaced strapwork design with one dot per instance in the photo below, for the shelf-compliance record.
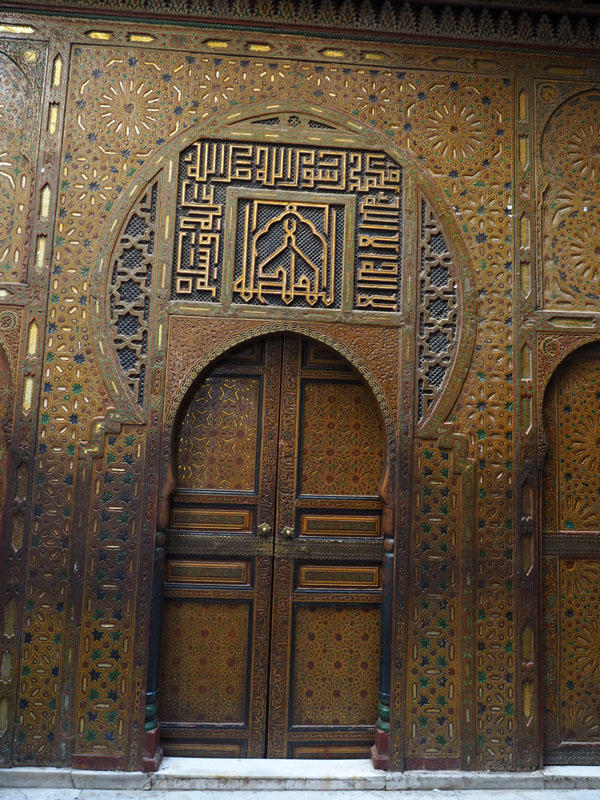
(437, 310)
(130, 291)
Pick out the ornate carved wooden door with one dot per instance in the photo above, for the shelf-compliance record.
(571, 563)
(273, 576)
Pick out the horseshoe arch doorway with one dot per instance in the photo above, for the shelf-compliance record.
(274, 580)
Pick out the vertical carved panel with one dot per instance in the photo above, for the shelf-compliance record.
(433, 661)
(577, 446)
(550, 651)
(571, 700)
(571, 499)
(107, 632)
(206, 661)
(335, 665)
(579, 622)
(17, 164)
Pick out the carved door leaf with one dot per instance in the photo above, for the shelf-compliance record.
(273, 579)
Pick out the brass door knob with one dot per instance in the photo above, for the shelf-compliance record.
(287, 532)
(264, 529)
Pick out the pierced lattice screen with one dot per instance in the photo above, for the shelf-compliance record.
(130, 291)
(437, 312)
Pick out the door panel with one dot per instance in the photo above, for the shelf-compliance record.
(204, 691)
(271, 642)
(334, 650)
(340, 452)
(328, 551)
(219, 434)
(324, 653)
(215, 649)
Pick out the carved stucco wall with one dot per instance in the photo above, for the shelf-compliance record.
(99, 107)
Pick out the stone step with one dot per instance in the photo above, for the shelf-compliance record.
(249, 794)
(260, 775)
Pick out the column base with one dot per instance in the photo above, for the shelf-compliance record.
(380, 752)
(152, 753)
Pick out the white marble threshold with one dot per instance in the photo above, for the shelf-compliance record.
(249, 794)
(193, 774)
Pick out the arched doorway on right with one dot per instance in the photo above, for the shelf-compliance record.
(571, 561)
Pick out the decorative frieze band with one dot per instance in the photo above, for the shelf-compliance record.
(557, 24)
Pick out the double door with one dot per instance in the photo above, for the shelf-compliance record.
(270, 643)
